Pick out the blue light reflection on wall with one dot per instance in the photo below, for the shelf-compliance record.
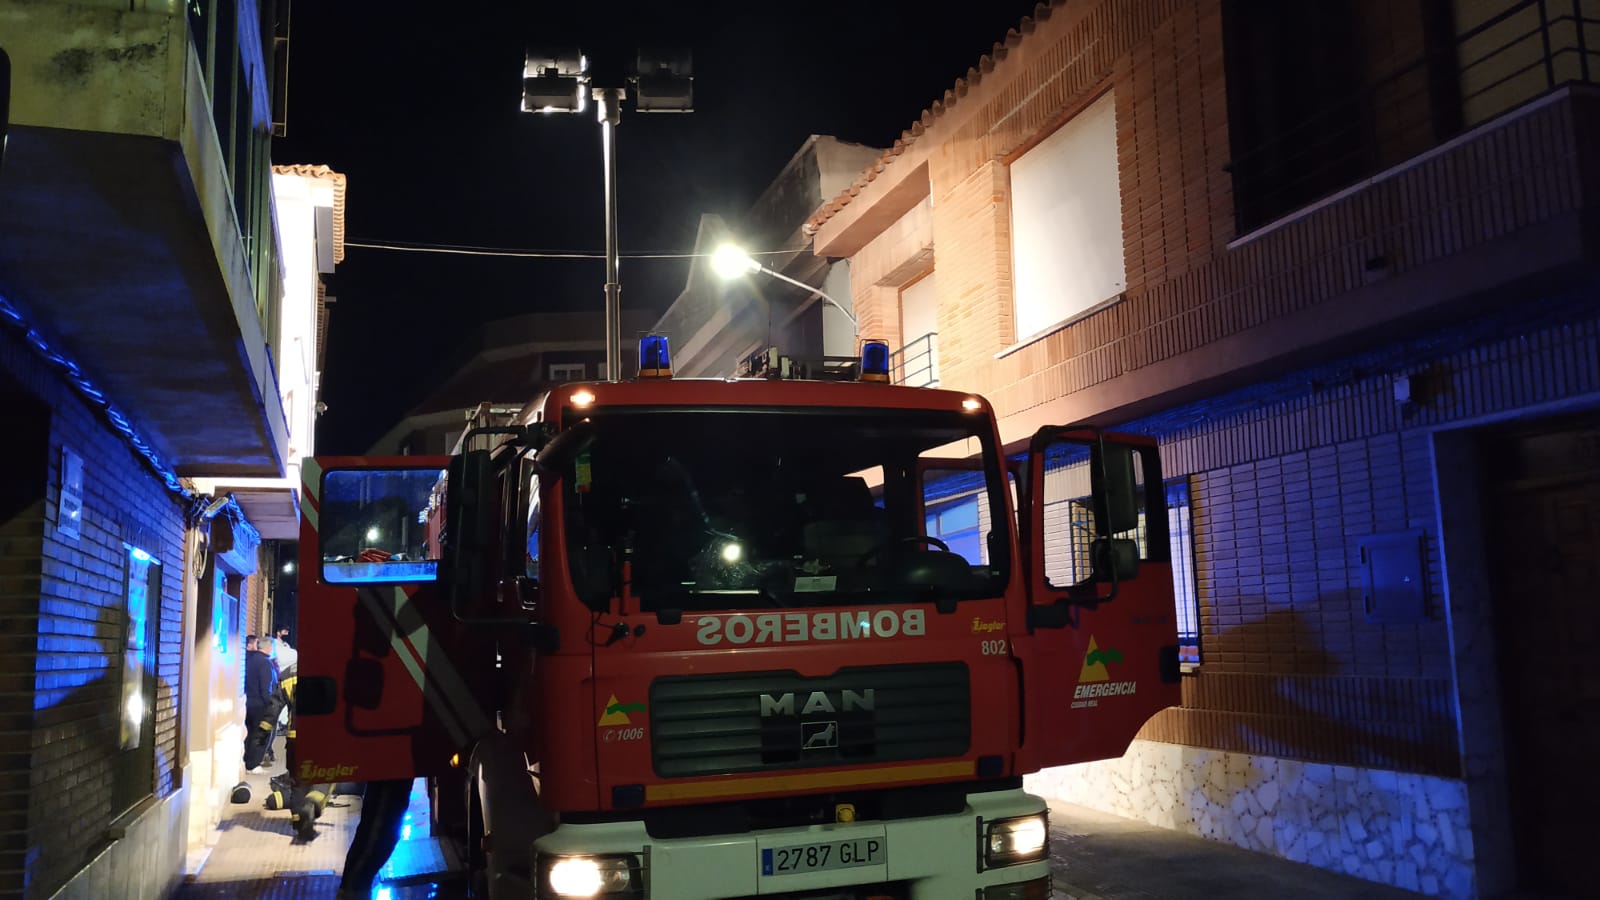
(71, 650)
(221, 614)
(135, 651)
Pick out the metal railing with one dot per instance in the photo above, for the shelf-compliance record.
(1462, 77)
(232, 67)
(916, 364)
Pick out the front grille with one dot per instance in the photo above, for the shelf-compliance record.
(754, 721)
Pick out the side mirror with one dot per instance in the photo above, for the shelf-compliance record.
(591, 570)
(557, 455)
(1118, 475)
(1115, 560)
(467, 528)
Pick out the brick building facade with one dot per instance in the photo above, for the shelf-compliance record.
(148, 290)
(122, 598)
(73, 604)
(1353, 297)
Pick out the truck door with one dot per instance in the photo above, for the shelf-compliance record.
(1104, 650)
(388, 680)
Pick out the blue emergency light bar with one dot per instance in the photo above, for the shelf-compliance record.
(874, 361)
(655, 360)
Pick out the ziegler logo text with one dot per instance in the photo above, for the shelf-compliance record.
(312, 773)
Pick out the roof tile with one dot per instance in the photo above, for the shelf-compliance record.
(974, 76)
(325, 173)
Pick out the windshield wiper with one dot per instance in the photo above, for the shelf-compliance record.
(674, 603)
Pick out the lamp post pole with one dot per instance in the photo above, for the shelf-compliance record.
(731, 262)
(554, 80)
(816, 294)
(609, 103)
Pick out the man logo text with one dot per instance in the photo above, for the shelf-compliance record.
(818, 702)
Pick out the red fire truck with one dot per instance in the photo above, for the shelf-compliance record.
(682, 638)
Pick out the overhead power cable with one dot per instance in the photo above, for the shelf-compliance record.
(467, 250)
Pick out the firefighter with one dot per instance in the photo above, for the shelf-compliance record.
(260, 682)
(383, 810)
(305, 802)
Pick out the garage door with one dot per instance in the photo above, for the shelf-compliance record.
(1544, 530)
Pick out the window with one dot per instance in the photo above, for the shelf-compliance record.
(916, 363)
(224, 612)
(956, 511)
(535, 519)
(1296, 114)
(135, 762)
(379, 526)
(1069, 516)
(1066, 222)
(1185, 588)
(955, 522)
(1069, 530)
(564, 372)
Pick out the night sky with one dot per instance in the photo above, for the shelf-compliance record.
(420, 112)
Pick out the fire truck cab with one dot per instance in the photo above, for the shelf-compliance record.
(676, 638)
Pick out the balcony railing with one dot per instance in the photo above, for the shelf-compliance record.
(917, 363)
(227, 36)
(1456, 75)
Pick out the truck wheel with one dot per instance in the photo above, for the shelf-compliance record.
(477, 857)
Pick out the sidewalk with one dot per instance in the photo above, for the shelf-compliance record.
(1096, 856)
(258, 856)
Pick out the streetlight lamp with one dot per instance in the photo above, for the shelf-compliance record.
(730, 262)
(555, 82)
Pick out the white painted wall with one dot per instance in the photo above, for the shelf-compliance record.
(298, 198)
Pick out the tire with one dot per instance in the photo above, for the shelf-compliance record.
(475, 857)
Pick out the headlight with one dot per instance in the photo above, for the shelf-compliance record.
(616, 875)
(1023, 839)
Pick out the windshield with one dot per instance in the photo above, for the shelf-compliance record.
(712, 510)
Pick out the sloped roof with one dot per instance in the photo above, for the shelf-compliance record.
(951, 97)
(325, 173)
